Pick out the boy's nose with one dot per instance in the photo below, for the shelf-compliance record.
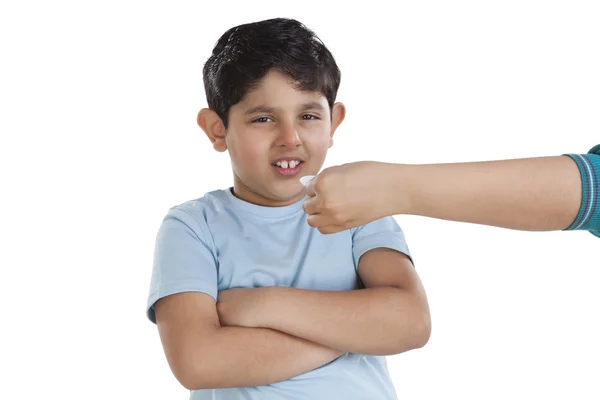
(289, 137)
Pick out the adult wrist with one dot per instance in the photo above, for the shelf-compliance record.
(398, 188)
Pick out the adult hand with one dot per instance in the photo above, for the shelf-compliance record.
(351, 195)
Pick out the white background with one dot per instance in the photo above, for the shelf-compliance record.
(98, 105)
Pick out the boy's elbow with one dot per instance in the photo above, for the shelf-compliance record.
(186, 374)
(422, 330)
(194, 378)
(189, 382)
(194, 372)
(415, 337)
(193, 384)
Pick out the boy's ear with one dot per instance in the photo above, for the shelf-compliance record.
(338, 113)
(213, 126)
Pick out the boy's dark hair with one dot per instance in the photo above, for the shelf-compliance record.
(246, 53)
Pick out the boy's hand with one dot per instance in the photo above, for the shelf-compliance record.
(241, 306)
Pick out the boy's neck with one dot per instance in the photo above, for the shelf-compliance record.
(244, 193)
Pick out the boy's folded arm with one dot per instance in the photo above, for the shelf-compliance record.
(389, 316)
(202, 354)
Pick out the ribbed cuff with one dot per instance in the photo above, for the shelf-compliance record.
(588, 217)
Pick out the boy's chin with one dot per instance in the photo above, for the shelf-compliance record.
(289, 195)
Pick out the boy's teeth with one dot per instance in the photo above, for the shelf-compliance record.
(286, 164)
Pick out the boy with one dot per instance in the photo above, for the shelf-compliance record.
(250, 301)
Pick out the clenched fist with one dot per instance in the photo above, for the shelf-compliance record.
(351, 195)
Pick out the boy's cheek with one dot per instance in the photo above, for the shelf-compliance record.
(247, 165)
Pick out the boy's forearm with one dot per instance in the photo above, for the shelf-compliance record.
(378, 321)
(239, 357)
(537, 194)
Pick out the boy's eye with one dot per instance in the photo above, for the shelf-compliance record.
(262, 119)
(309, 117)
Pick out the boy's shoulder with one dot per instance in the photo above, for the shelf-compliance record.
(210, 201)
(201, 209)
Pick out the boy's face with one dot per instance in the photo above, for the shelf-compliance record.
(275, 135)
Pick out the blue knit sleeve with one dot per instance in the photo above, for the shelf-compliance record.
(588, 217)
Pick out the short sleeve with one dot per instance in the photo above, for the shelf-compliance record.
(588, 217)
(381, 233)
(183, 260)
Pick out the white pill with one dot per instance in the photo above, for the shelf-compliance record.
(305, 179)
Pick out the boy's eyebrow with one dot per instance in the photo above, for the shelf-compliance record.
(260, 109)
(312, 105)
(267, 110)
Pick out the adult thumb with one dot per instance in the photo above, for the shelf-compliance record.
(309, 182)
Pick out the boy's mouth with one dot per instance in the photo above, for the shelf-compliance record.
(288, 167)
(287, 163)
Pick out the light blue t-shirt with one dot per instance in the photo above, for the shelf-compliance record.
(219, 242)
